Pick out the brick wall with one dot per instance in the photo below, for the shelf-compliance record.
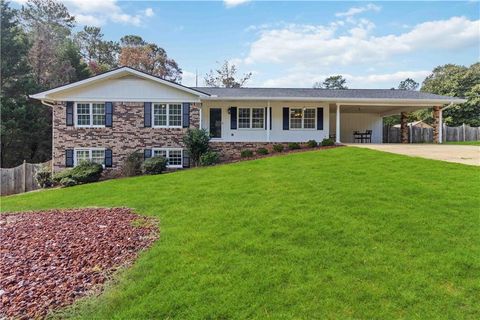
(125, 136)
(231, 150)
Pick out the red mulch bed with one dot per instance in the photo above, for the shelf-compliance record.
(50, 258)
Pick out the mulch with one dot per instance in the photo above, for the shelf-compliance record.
(50, 258)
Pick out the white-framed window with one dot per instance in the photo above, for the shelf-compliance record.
(90, 114)
(174, 156)
(167, 115)
(251, 118)
(96, 155)
(303, 118)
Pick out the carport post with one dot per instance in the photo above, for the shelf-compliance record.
(440, 126)
(337, 127)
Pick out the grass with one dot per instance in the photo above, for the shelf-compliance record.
(345, 233)
(467, 143)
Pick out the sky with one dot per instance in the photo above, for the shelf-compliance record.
(294, 43)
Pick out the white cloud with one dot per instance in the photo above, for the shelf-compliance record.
(149, 12)
(100, 12)
(234, 3)
(357, 10)
(311, 46)
(299, 78)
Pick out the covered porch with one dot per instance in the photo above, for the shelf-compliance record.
(363, 123)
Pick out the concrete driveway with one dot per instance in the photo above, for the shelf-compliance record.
(452, 153)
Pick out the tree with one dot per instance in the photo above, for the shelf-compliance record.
(99, 54)
(25, 129)
(332, 82)
(226, 76)
(48, 24)
(457, 81)
(148, 57)
(408, 84)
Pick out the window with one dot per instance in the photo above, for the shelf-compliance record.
(302, 118)
(93, 155)
(174, 156)
(251, 118)
(167, 115)
(90, 114)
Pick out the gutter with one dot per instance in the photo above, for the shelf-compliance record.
(425, 102)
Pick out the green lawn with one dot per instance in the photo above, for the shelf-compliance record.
(345, 233)
(468, 143)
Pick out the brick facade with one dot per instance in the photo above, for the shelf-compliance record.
(436, 124)
(404, 127)
(125, 136)
(231, 150)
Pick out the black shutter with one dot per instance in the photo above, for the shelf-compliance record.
(271, 119)
(108, 158)
(108, 114)
(265, 116)
(186, 159)
(147, 153)
(319, 118)
(147, 114)
(186, 114)
(286, 119)
(233, 118)
(69, 113)
(69, 158)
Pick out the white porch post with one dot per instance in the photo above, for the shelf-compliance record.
(200, 124)
(337, 127)
(268, 121)
(440, 129)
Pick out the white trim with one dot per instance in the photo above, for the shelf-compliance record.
(89, 154)
(251, 119)
(167, 149)
(353, 101)
(90, 110)
(337, 125)
(110, 74)
(168, 115)
(303, 118)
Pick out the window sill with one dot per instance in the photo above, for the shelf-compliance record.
(93, 127)
(167, 127)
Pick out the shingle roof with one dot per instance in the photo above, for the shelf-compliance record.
(321, 93)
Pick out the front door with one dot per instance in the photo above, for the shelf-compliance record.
(216, 123)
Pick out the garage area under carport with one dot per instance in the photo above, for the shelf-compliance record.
(351, 120)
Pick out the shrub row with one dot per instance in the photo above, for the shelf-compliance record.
(247, 153)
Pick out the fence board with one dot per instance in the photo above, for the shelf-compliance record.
(425, 135)
(20, 179)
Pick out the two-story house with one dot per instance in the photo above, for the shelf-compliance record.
(106, 117)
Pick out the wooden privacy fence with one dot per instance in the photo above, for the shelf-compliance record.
(425, 135)
(20, 179)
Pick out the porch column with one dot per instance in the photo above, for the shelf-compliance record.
(268, 121)
(337, 126)
(200, 124)
(403, 127)
(437, 125)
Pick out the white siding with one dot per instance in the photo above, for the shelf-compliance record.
(129, 88)
(277, 134)
(350, 122)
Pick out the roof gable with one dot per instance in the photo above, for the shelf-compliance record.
(122, 84)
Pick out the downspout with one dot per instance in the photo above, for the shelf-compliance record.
(49, 104)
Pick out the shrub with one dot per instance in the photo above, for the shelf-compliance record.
(327, 142)
(132, 165)
(196, 142)
(262, 151)
(293, 146)
(44, 177)
(85, 172)
(312, 144)
(67, 182)
(209, 158)
(154, 165)
(278, 147)
(246, 153)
